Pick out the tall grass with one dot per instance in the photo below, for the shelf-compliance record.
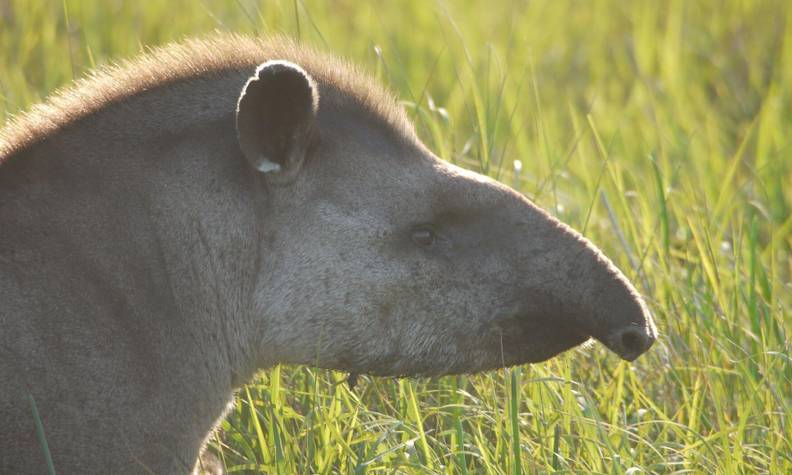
(660, 129)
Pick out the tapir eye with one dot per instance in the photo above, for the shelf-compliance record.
(424, 237)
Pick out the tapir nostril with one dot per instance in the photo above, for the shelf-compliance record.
(632, 342)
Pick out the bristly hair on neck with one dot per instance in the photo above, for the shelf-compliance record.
(217, 54)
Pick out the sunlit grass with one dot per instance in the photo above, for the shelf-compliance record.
(660, 129)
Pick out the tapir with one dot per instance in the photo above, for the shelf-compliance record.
(172, 224)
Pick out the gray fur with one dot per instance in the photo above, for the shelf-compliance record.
(147, 269)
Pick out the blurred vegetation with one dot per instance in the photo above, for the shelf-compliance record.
(659, 129)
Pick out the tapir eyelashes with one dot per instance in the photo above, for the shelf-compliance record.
(424, 237)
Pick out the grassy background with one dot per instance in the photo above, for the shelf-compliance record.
(660, 129)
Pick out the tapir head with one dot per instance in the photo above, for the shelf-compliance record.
(381, 258)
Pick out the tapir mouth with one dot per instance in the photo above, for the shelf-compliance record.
(554, 333)
(526, 339)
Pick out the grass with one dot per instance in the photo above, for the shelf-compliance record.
(660, 129)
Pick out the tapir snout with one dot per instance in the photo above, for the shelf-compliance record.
(568, 289)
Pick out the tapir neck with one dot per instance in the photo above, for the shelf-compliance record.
(151, 241)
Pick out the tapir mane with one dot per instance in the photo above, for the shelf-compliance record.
(217, 55)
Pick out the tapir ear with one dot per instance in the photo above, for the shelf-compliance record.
(274, 116)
